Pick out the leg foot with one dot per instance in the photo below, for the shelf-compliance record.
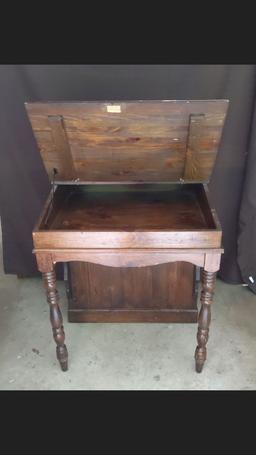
(208, 282)
(64, 366)
(62, 356)
(199, 367)
(200, 357)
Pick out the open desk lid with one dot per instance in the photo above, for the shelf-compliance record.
(128, 141)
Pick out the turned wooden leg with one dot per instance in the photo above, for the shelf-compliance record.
(208, 282)
(56, 318)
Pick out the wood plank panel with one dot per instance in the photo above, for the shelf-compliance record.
(145, 141)
(117, 239)
(149, 294)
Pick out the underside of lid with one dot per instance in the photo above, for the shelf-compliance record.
(128, 141)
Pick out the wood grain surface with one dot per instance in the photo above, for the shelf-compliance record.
(163, 293)
(128, 216)
(145, 141)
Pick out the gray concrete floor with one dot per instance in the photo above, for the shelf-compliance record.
(124, 356)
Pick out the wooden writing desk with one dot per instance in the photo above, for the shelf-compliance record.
(128, 190)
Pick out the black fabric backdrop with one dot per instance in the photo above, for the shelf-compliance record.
(23, 181)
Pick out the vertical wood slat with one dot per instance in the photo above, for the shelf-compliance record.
(192, 168)
(62, 147)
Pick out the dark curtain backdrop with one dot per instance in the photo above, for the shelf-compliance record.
(23, 181)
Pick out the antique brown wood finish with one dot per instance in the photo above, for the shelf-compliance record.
(160, 293)
(129, 193)
(56, 318)
(208, 282)
(209, 259)
(129, 216)
(162, 141)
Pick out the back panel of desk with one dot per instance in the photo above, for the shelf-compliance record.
(162, 293)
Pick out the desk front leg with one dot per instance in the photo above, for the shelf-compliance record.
(47, 268)
(211, 266)
(208, 281)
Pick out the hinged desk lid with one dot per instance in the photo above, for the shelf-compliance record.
(128, 141)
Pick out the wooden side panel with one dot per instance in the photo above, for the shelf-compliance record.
(137, 141)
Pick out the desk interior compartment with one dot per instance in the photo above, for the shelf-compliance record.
(122, 209)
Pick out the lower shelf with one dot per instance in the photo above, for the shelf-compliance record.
(179, 316)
